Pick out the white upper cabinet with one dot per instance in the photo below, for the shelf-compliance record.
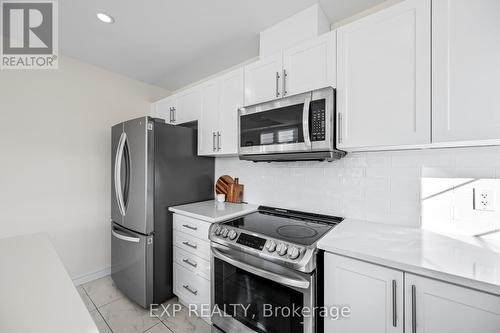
(180, 108)
(218, 125)
(438, 307)
(231, 99)
(466, 70)
(263, 79)
(374, 294)
(209, 120)
(383, 83)
(164, 109)
(304, 67)
(310, 65)
(188, 106)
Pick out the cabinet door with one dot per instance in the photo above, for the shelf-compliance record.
(263, 80)
(466, 70)
(383, 87)
(311, 65)
(209, 120)
(438, 307)
(164, 109)
(374, 294)
(188, 106)
(231, 98)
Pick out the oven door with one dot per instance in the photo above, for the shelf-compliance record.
(254, 295)
(299, 123)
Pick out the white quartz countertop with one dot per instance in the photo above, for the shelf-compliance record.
(213, 211)
(466, 261)
(36, 293)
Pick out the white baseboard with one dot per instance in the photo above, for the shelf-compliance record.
(92, 276)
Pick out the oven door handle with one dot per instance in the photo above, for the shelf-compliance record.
(305, 122)
(284, 278)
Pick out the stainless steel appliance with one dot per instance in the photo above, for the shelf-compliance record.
(154, 166)
(263, 260)
(299, 127)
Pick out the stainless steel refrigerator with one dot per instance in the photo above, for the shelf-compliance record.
(154, 166)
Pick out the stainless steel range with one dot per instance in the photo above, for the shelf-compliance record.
(264, 271)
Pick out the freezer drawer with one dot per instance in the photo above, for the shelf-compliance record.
(132, 264)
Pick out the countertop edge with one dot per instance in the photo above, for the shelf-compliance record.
(251, 209)
(417, 270)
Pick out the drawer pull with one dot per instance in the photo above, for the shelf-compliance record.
(394, 305)
(413, 309)
(189, 227)
(193, 246)
(194, 292)
(187, 261)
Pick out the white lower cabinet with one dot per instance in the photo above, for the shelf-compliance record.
(375, 296)
(373, 293)
(191, 289)
(191, 262)
(438, 307)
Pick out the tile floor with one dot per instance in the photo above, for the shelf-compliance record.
(114, 313)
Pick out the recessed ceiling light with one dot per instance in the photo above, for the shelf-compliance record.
(106, 18)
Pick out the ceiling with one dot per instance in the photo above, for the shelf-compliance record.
(171, 43)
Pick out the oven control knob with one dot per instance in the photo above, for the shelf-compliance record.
(217, 231)
(282, 249)
(224, 232)
(271, 246)
(293, 253)
(232, 235)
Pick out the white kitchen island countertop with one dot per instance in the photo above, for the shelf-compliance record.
(213, 211)
(36, 293)
(462, 260)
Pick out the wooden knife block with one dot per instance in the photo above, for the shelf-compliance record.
(235, 192)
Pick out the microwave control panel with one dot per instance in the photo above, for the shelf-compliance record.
(318, 121)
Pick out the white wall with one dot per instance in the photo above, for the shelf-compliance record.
(55, 156)
(388, 187)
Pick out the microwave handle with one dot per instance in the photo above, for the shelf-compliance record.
(305, 122)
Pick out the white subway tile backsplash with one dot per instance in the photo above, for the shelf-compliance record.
(407, 188)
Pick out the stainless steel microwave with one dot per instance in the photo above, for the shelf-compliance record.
(299, 127)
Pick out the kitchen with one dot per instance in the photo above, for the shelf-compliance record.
(321, 166)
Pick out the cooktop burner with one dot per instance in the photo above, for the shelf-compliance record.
(294, 231)
(286, 225)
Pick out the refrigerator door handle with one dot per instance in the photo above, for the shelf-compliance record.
(125, 238)
(118, 171)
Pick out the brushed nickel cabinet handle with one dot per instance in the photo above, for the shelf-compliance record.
(189, 227)
(285, 75)
(193, 246)
(413, 309)
(339, 126)
(277, 84)
(187, 261)
(214, 136)
(194, 292)
(218, 140)
(394, 304)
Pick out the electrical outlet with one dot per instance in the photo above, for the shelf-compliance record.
(484, 199)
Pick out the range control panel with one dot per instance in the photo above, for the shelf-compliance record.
(270, 247)
(251, 241)
(318, 120)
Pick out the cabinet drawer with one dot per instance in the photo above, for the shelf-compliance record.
(192, 262)
(189, 287)
(193, 227)
(192, 245)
